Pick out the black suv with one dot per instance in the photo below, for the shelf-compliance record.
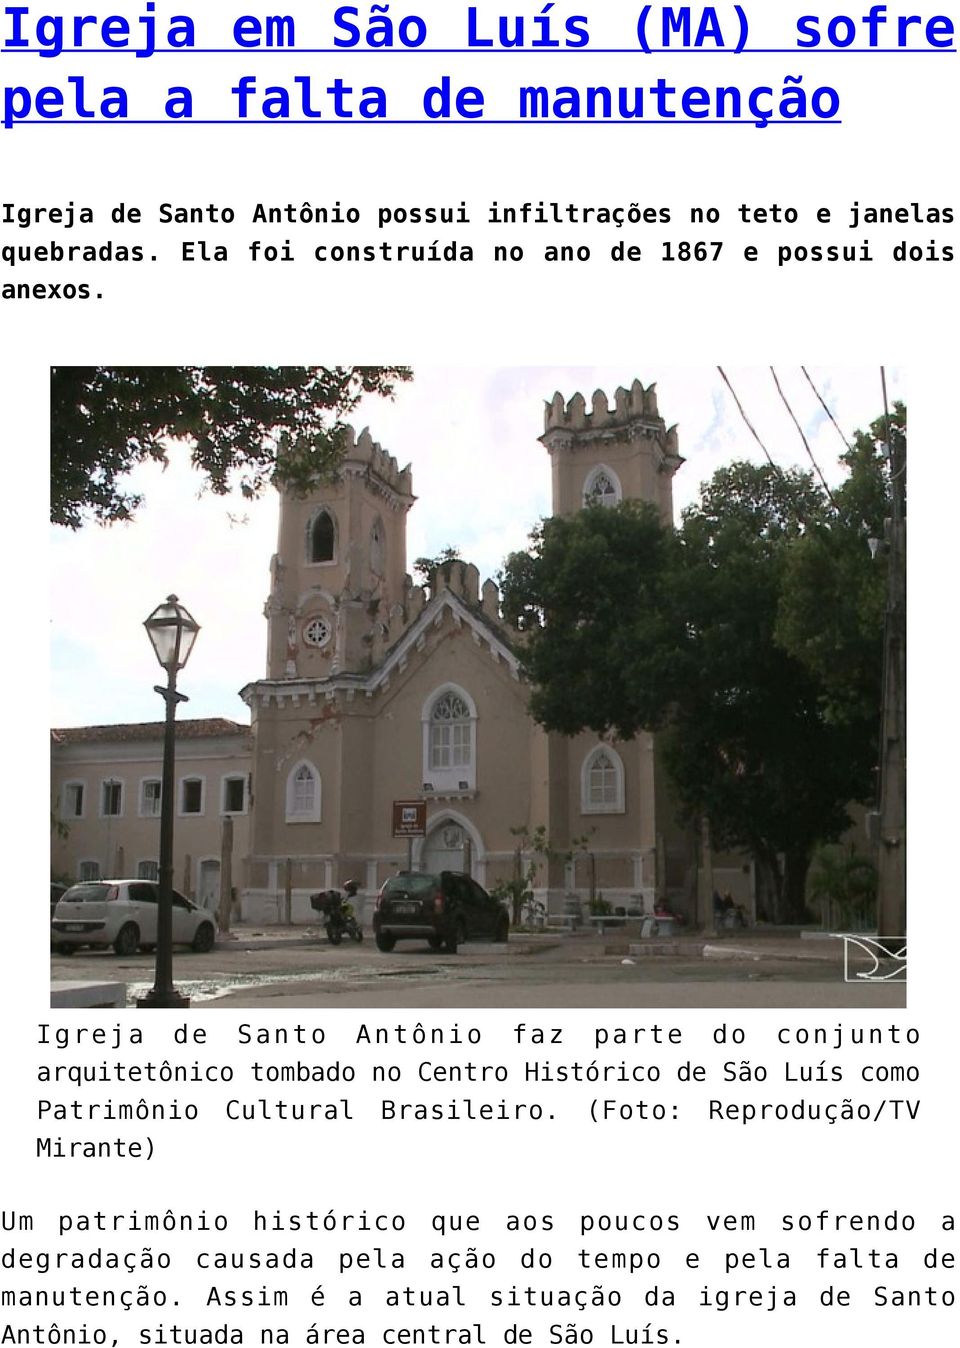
(442, 909)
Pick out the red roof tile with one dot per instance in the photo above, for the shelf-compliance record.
(205, 728)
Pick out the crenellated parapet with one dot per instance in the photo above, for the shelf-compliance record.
(633, 419)
(458, 578)
(629, 405)
(463, 580)
(361, 453)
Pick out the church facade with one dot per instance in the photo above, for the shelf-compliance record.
(378, 690)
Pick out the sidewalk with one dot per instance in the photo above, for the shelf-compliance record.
(750, 945)
(271, 935)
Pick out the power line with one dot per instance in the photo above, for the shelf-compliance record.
(748, 423)
(826, 408)
(806, 443)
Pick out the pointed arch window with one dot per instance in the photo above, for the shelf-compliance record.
(451, 733)
(601, 782)
(449, 741)
(303, 794)
(602, 487)
(321, 537)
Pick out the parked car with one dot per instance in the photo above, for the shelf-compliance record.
(57, 892)
(442, 909)
(123, 913)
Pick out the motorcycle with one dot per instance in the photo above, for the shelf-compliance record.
(338, 916)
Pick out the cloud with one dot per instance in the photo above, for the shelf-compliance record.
(482, 480)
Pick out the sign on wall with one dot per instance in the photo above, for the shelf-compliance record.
(409, 818)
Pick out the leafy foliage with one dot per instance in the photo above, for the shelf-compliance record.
(248, 426)
(426, 568)
(593, 594)
(834, 594)
(842, 877)
(751, 744)
(751, 637)
(517, 892)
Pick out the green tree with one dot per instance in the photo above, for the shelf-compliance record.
(518, 890)
(630, 625)
(751, 743)
(593, 595)
(835, 589)
(247, 426)
(425, 568)
(842, 877)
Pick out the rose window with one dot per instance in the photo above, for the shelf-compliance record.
(317, 632)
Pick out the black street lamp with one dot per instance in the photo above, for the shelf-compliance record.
(172, 632)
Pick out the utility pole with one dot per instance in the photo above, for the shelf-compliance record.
(892, 859)
(706, 917)
(226, 876)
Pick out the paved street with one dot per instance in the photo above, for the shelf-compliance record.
(278, 968)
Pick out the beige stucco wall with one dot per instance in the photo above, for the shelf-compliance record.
(624, 840)
(628, 437)
(638, 475)
(285, 736)
(369, 752)
(120, 842)
(354, 708)
(501, 799)
(352, 589)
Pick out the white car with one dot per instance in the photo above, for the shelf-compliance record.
(123, 913)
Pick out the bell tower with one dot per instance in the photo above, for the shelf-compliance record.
(340, 566)
(611, 454)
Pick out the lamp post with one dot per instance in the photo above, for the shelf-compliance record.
(172, 632)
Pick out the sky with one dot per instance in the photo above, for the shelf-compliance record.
(482, 481)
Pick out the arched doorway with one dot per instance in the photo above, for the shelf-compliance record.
(208, 890)
(451, 844)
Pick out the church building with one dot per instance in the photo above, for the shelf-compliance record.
(378, 690)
